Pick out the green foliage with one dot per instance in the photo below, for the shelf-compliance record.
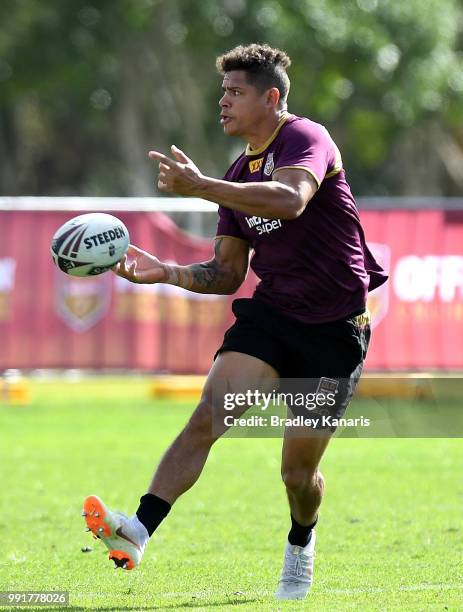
(86, 86)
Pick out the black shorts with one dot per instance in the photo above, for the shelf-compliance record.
(325, 355)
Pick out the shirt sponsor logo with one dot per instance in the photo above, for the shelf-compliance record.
(255, 165)
(263, 225)
(269, 164)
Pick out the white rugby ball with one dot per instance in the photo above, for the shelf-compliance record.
(89, 244)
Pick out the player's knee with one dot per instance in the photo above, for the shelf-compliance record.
(295, 479)
(199, 427)
(302, 479)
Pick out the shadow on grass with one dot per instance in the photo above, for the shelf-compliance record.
(47, 608)
(189, 604)
(173, 606)
(199, 604)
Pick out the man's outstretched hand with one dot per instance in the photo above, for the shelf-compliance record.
(179, 175)
(139, 266)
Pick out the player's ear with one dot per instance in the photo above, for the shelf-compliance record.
(273, 96)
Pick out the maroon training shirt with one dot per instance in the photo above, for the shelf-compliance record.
(316, 268)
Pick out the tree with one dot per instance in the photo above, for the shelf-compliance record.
(87, 89)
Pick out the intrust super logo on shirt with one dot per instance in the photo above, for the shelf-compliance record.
(255, 165)
(263, 225)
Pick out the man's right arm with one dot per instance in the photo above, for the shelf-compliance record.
(223, 274)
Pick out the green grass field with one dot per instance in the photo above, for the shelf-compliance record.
(389, 537)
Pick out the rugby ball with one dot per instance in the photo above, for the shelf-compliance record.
(89, 244)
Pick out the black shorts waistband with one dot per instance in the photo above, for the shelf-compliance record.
(244, 306)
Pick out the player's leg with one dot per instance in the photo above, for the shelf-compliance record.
(338, 353)
(184, 460)
(303, 481)
(304, 487)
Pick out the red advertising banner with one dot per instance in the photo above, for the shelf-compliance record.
(418, 314)
(51, 320)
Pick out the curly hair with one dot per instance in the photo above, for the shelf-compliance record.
(265, 67)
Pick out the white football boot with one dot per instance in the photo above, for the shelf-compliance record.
(126, 542)
(297, 575)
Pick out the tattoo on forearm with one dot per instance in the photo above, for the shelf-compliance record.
(217, 247)
(173, 275)
(207, 277)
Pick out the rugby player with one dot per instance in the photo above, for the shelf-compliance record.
(286, 198)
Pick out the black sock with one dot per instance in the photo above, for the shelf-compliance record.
(300, 534)
(151, 511)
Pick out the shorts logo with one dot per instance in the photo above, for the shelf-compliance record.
(327, 385)
(255, 165)
(269, 164)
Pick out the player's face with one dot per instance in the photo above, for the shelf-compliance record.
(242, 106)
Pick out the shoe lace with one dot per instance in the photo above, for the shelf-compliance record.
(294, 565)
